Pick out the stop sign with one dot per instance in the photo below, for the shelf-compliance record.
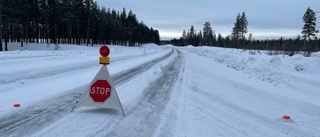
(100, 90)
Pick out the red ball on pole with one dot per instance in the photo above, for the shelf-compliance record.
(104, 51)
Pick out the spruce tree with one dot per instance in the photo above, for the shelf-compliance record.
(309, 28)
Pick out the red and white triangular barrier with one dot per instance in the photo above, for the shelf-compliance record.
(101, 91)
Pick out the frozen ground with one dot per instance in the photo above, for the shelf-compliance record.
(164, 90)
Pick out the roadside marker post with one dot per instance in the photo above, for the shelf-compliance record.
(101, 91)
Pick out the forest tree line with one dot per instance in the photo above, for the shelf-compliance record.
(307, 41)
(71, 22)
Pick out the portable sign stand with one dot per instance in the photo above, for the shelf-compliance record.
(101, 91)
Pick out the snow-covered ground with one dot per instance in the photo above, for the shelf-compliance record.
(164, 90)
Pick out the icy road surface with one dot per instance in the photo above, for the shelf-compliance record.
(165, 91)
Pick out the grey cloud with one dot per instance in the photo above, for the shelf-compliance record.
(176, 15)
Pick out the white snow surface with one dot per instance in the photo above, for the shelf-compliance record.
(191, 91)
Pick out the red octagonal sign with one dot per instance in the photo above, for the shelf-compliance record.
(100, 90)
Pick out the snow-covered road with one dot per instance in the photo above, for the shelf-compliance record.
(47, 110)
(219, 101)
(165, 91)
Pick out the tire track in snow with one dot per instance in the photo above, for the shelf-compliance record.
(57, 70)
(143, 119)
(44, 73)
(32, 119)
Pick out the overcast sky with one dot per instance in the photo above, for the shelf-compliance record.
(267, 18)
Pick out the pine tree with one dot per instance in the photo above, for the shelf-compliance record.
(191, 36)
(244, 27)
(123, 17)
(214, 39)
(156, 37)
(237, 29)
(207, 34)
(70, 21)
(0, 25)
(131, 28)
(309, 28)
(199, 38)
(219, 40)
(240, 29)
(250, 39)
(184, 38)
